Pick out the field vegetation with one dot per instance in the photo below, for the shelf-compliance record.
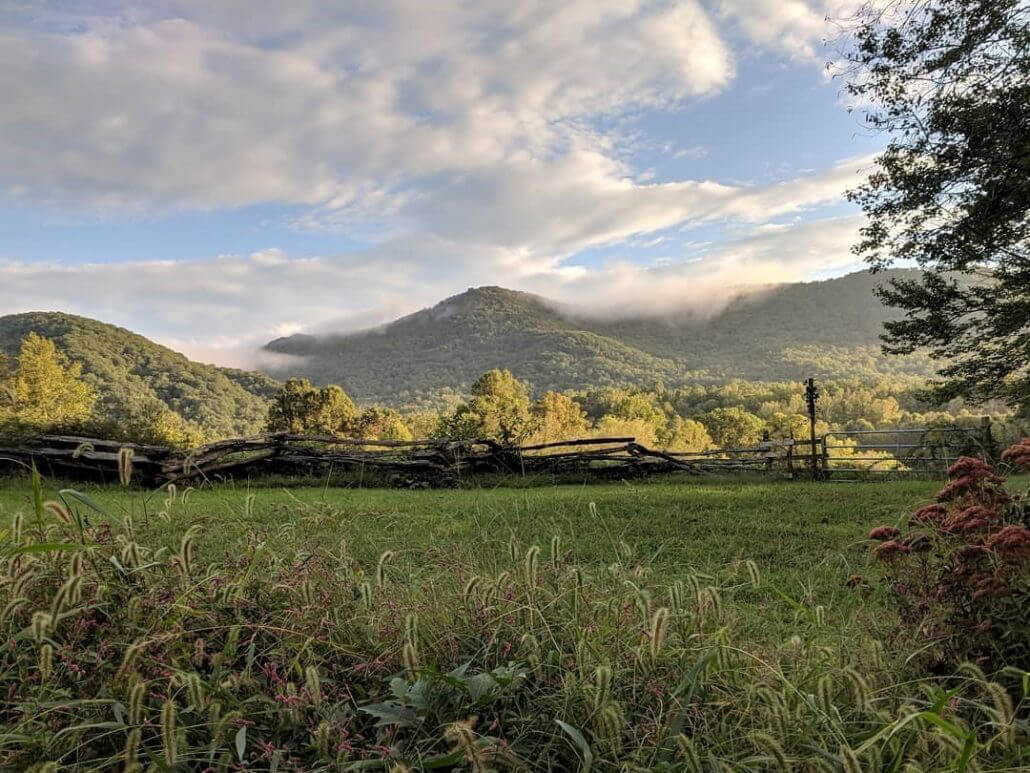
(677, 625)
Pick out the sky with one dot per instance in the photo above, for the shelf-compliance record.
(216, 173)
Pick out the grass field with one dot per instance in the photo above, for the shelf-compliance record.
(671, 625)
(808, 538)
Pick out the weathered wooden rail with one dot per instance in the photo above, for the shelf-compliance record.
(430, 461)
(443, 462)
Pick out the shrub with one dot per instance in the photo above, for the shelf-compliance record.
(960, 571)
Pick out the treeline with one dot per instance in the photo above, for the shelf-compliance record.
(41, 390)
(696, 418)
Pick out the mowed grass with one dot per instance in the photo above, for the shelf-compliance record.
(807, 538)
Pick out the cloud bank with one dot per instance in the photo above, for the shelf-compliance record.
(482, 143)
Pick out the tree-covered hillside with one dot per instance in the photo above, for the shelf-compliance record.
(828, 329)
(127, 370)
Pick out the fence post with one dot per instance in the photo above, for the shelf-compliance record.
(767, 447)
(811, 395)
(790, 457)
(987, 438)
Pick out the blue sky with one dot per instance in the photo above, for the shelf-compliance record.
(213, 174)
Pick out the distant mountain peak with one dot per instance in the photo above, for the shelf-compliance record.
(787, 331)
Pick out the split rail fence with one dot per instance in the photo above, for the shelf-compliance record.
(842, 453)
(414, 462)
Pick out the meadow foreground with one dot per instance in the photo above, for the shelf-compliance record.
(667, 625)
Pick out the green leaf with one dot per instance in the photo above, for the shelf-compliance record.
(241, 742)
(91, 503)
(444, 760)
(580, 742)
(391, 713)
(48, 547)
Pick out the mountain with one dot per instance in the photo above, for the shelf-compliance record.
(828, 329)
(125, 367)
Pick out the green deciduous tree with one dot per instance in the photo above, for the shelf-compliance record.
(498, 410)
(303, 408)
(149, 420)
(686, 435)
(380, 423)
(949, 82)
(558, 417)
(733, 427)
(45, 391)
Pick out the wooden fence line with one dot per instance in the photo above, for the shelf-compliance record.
(448, 460)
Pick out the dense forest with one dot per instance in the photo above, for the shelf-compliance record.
(135, 379)
(826, 329)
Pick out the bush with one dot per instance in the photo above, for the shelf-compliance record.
(960, 571)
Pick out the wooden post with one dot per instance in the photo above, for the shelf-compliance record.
(790, 457)
(811, 395)
(767, 447)
(987, 439)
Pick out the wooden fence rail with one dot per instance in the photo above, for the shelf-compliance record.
(442, 461)
(290, 454)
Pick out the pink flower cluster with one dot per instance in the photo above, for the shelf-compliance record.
(1019, 454)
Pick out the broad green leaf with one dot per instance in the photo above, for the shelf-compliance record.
(581, 744)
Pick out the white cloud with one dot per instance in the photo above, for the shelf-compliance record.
(475, 136)
(197, 105)
(221, 309)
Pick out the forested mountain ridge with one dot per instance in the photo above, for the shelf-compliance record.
(126, 369)
(828, 328)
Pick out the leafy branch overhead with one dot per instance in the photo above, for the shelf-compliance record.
(949, 82)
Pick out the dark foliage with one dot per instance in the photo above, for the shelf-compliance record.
(949, 81)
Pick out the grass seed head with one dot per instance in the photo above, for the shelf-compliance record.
(131, 752)
(657, 637)
(687, 752)
(471, 587)
(411, 628)
(768, 745)
(460, 734)
(136, 695)
(384, 559)
(849, 760)
(60, 511)
(46, 661)
(128, 665)
(125, 455)
(321, 738)
(195, 691)
(555, 550)
(858, 688)
(409, 657)
(169, 736)
(42, 623)
(313, 684)
(753, 574)
(530, 565)
(825, 693)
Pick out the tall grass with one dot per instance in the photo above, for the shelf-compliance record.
(118, 655)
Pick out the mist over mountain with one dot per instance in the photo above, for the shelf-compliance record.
(827, 328)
